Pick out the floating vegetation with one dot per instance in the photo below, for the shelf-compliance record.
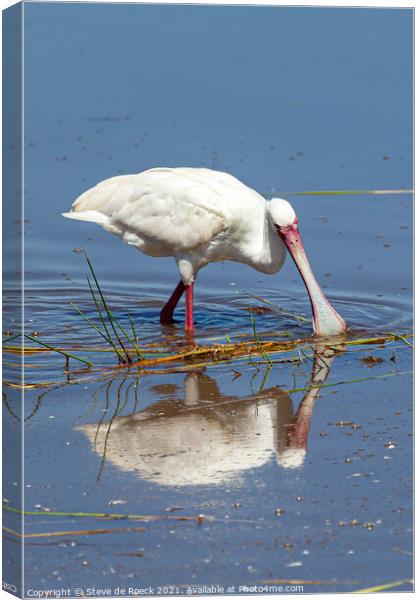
(372, 360)
(383, 587)
(105, 516)
(403, 339)
(164, 358)
(383, 192)
(197, 519)
(71, 532)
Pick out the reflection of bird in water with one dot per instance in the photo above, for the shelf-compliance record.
(208, 438)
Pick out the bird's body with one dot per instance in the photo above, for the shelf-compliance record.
(197, 216)
(200, 216)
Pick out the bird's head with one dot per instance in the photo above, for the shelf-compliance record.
(325, 319)
(282, 213)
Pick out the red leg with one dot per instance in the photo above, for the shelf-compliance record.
(189, 308)
(167, 312)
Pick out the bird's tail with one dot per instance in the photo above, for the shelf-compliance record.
(93, 216)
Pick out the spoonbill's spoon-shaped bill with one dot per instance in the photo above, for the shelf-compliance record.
(326, 321)
(200, 216)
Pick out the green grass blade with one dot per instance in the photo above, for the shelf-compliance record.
(92, 324)
(108, 312)
(125, 334)
(98, 308)
(402, 339)
(10, 339)
(258, 341)
(136, 339)
(383, 587)
(382, 192)
(66, 354)
(265, 378)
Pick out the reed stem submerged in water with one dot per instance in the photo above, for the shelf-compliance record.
(110, 323)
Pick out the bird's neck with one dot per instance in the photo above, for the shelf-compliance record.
(272, 252)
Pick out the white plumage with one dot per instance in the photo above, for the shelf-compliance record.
(200, 216)
(196, 215)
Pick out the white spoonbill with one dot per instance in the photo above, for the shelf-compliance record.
(200, 216)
